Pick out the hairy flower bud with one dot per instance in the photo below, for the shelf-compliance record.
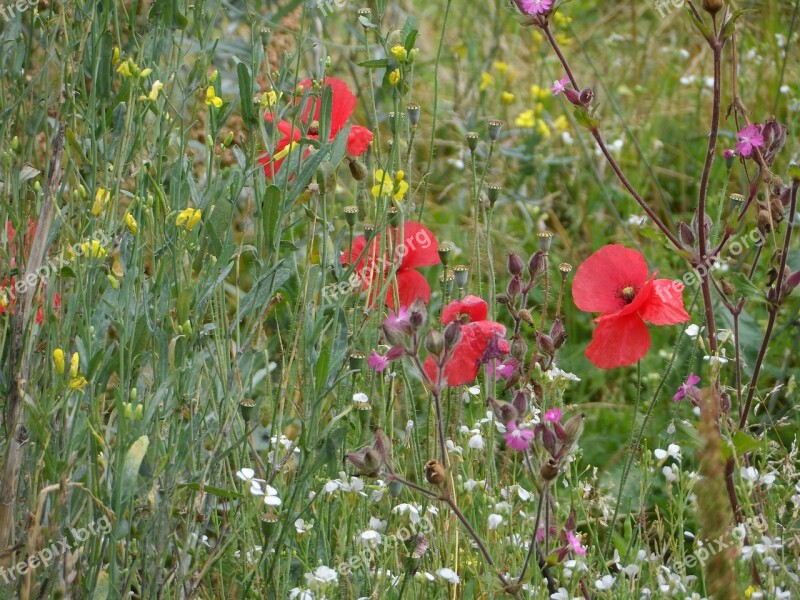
(514, 286)
(574, 427)
(452, 335)
(514, 264)
(504, 411)
(434, 342)
(558, 333)
(520, 401)
(519, 348)
(586, 97)
(536, 264)
(686, 234)
(357, 169)
(418, 313)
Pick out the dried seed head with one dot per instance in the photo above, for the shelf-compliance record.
(435, 472)
(472, 141)
(493, 192)
(461, 273)
(545, 240)
(549, 470)
(413, 111)
(351, 215)
(712, 6)
(444, 253)
(494, 129)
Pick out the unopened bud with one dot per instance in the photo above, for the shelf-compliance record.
(686, 233)
(519, 348)
(526, 316)
(574, 427)
(515, 264)
(586, 97)
(504, 411)
(520, 401)
(452, 335)
(434, 342)
(514, 286)
(357, 169)
(712, 6)
(418, 313)
(727, 288)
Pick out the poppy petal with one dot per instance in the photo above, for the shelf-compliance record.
(476, 339)
(599, 279)
(419, 248)
(358, 140)
(618, 342)
(475, 307)
(410, 285)
(665, 306)
(347, 258)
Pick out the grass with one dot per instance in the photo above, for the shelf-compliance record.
(206, 343)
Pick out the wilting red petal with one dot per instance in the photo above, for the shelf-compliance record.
(476, 337)
(618, 341)
(475, 307)
(410, 286)
(601, 276)
(358, 140)
(419, 246)
(665, 305)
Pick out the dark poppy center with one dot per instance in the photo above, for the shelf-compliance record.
(628, 293)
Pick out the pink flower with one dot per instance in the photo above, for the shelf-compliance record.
(575, 543)
(399, 320)
(518, 439)
(686, 388)
(377, 362)
(535, 7)
(552, 416)
(559, 86)
(501, 370)
(750, 137)
(729, 154)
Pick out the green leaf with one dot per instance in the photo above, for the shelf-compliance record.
(271, 212)
(102, 586)
(585, 120)
(701, 27)
(130, 469)
(729, 27)
(375, 63)
(246, 94)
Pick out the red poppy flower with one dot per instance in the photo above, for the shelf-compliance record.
(419, 249)
(614, 281)
(8, 285)
(343, 102)
(481, 341)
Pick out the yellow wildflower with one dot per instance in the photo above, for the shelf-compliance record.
(486, 81)
(93, 249)
(269, 99)
(74, 363)
(385, 185)
(562, 20)
(394, 77)
(526, 119)
(115, 56)
(78, 383)
(542, 128)
(101, 196)
(189, 217)
(212, 98)
(154, 90)
(58, 360)
(538, 93)
(507, 98)
(133, 226)
(399, 52)
(500, 66)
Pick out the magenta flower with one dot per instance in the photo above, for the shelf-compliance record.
(750, 137)
(686, 388)
(501, 370)
(729, 154)
(535, 7)
(559, 86)
(518, 439)
(575, 543)
(552, 416)
(398, 320)
(377, 362)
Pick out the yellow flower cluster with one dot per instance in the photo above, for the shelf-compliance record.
(386, 185)
(101, 197)
(76, 380)
(188, 218)
(130, 69)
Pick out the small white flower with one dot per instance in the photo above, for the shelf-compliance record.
(494, 521)
(369, 536)
(249, 476)
(554, 373)
(670, 472)
(302, 527)
(321, 575)
(448, 575)
(413, 511)
(360, 398)
(271, 497)
(298, 594)
(377, 524)
(476, 442)
(672, 450)
(749, 474)
(692, 331)
(605, 583)
(688, 79)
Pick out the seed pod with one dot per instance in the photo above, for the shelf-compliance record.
(461, 273)
(520, 401)
(712, 6)
(504, 411)
(493, 192)
(494, 129)
(514, 286)
(247, 407)
(727, 288)
(412, 112)
(351, 215)
(549, 470)
(545, 240)
(472, 141)
(536, 264)
(444, 251)
(586, 97)
(574, 427)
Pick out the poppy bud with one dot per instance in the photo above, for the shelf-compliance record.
(519, 348)
(357, 169)
(686, 233)
(351, 215)
(494, 129)
(434, 342)
(452, 335)
(712, 6)
(418, 313)
(514, 286)
(515, 264)
(549, 470)
(461, 273)
(520, 401)
(574, 427)
(545, 240)
(412, 112)
(504, 411)
(444, 253)
(326, 178)
(435, 473)
(586, 97)
(493, 192)
(472, 140)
